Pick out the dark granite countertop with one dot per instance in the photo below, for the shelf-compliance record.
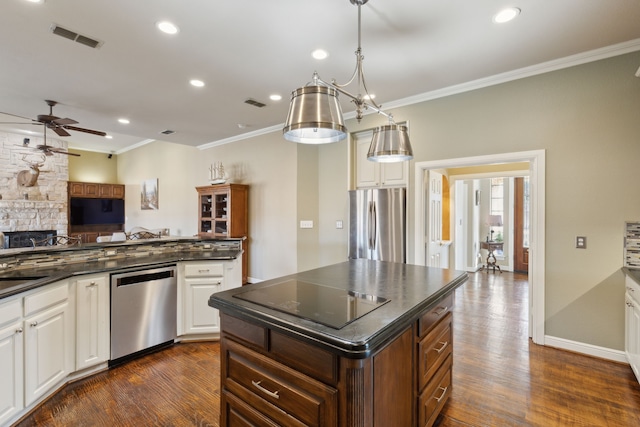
(410, 289)
(13, 282)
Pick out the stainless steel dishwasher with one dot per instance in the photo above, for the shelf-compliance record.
(143, 310)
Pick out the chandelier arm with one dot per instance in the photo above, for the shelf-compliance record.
(367, 105)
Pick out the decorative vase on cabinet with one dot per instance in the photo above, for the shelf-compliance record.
(222, 213)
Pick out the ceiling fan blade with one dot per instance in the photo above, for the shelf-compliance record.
(20, 123)
(66, 121)
(94, 132)
(21, 117)
(60, 131)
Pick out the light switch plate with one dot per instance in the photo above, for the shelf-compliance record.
(339, 224)
(581, 242)
(306, 224)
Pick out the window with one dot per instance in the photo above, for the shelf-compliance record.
(496, 210)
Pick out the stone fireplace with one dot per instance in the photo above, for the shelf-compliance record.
(43, 206)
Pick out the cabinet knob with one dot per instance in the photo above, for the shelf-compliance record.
(91, 285)
(19, 331)
(34, 324)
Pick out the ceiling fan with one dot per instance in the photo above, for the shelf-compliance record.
(58, 125)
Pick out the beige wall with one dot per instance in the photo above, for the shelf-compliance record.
(93, 167)
(585, 117)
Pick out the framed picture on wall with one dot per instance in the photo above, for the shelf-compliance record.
(149, 195)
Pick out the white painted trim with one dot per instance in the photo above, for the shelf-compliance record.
(588, 349)
(537, 166)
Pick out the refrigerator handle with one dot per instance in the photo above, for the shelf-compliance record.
(369, 225)
(374, 224)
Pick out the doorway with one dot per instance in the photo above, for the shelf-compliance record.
(536, 160)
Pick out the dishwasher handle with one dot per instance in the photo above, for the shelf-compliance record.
(144, 277)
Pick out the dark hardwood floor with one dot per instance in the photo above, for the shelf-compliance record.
(500, 378)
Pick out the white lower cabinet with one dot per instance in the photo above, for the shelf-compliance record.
(92, 321)
(11, 360)
(196, 282)
(36, 346)
(632, 326)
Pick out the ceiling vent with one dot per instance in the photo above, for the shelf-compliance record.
(73, 36)
(168, 132)
(255, 103)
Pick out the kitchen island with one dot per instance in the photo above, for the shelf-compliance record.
(360, 343)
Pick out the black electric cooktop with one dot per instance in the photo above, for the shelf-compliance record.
(323, 304)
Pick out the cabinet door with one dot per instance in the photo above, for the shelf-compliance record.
(632, 334)
(48, 350)
(118, 191)
(394, 174)
(367, 173)
(92, 320)
(11, 361)
(76, 189)
(91, 189)
(199, 317)
(106, 190)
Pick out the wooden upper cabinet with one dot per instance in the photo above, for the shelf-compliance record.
(96, 190)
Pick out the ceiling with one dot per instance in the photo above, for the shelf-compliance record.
(254, 48)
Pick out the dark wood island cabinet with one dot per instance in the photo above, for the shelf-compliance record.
(388, 362)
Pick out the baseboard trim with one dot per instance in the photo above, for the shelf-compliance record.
(588, 349)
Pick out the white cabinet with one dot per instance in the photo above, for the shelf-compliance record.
(48, 340)
(196, 282)
(36, 346)
(92, 320)
(373, 174)
(11, 359)
(632, 325)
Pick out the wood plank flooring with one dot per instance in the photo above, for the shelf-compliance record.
(500, 378)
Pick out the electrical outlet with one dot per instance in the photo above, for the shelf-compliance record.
(111, 252)
(306, 224)
(339, 224)
(581, 242)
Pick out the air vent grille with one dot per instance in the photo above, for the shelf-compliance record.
(73, 36)
(168, 132)
(255, 103)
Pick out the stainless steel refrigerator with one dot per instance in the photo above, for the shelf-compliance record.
(377, 224)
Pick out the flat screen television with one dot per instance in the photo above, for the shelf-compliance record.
(85, 211)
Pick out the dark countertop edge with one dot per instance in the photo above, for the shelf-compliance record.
(85, 246)
(633, 273)
(96, 267)
(348, 349)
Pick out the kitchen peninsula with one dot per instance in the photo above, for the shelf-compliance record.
(360, 343)
(58, 320)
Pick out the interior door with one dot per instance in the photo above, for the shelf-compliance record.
(435, 248)
(521, 225)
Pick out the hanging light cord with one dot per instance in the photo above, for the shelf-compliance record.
(362, 102)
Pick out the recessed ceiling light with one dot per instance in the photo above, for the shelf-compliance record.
(275, 97)
(124, 121)
(506, 15)
(319, 54)
(35, 1)
(369, 96)
(167, 27)
(196, 83)
(108, 136)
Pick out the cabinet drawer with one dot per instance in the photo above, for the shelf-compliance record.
(277, 391)
(434, 349)
(430, 318)
(238, 413)
(203, 270)
(10, 311)
(245, 331)
(47, 298)
(435, 395)
(306, 358)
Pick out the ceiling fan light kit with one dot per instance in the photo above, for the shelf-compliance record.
(315, 116)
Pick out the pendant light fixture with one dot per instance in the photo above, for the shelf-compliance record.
(315, 116)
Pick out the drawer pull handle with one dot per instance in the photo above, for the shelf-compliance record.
(203, 271)
(442, 311)
(273, 394)
(444, 391)
(444, 345)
